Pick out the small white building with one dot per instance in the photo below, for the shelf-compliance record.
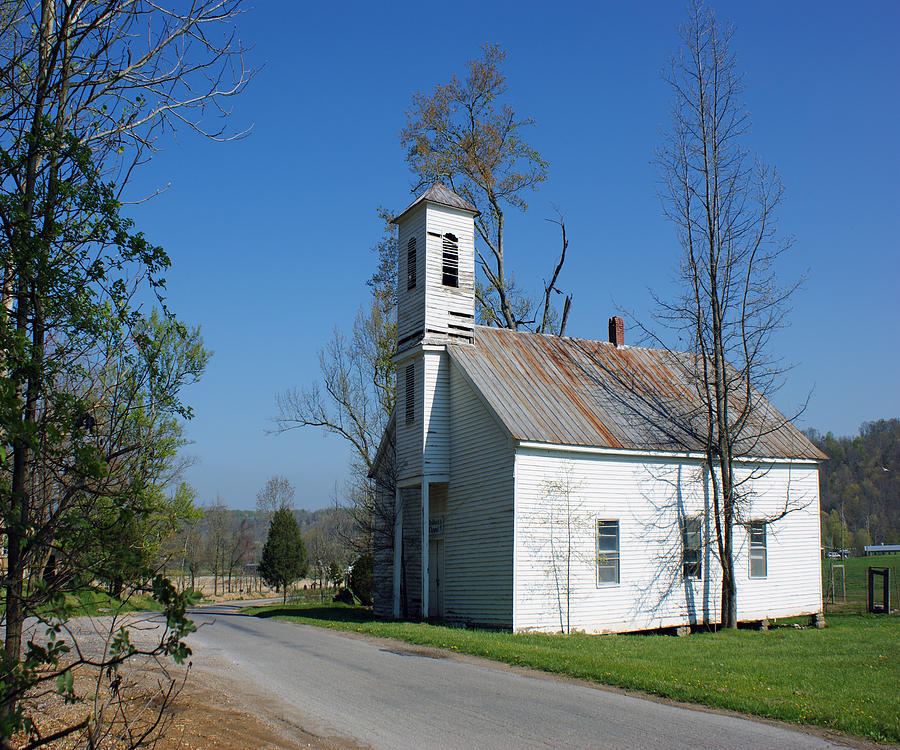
(552, 490)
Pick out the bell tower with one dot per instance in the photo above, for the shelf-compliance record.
(435, 308)
(436, 269)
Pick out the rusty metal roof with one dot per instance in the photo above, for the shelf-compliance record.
(441, 194)
(552, 389)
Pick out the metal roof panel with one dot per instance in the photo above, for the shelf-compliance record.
(561, 390)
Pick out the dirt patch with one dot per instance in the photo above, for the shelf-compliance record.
(197, 715)
(205, 716)
(181, 707)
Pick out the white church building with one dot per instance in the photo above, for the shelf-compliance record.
(535, 483)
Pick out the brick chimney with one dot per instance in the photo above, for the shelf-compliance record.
(617, 331)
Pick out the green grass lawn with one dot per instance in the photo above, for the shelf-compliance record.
(846, 677)
(856, 582)
(95, 602)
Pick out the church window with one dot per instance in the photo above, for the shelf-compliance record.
(450, 276)
(758, 555)
(691, 540)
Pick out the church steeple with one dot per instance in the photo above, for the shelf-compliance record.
(436, 269)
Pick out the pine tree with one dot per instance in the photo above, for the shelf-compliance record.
(284, 556)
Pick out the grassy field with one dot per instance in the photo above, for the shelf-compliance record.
(95, 602)
(855, 574)
(845, 677)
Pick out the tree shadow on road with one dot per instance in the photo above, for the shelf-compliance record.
(326, 613)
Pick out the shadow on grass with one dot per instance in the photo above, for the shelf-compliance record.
(326, 613)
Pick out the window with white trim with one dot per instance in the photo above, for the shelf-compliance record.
(758, 554)
(607, 552)
(409, 394)
(411, 264)
(691, 537)
(450, 269)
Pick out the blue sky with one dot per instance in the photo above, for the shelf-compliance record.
(271, 235)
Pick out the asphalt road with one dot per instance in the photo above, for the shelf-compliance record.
(385, 694)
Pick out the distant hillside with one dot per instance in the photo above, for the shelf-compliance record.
(864, 472)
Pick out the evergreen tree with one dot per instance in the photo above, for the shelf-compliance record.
(283, 558)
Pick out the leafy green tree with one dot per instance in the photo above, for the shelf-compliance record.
(464, 135)
(283, 558)
(861, 540)
(88, 392)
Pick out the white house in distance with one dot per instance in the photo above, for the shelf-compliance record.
(542, 471)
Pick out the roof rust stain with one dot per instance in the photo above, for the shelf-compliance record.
(579, 392)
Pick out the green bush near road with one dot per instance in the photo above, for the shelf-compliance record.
(845, 677)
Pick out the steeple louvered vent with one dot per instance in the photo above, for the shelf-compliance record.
(450, 273)
(410, 394)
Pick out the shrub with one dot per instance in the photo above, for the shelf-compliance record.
(361, 579)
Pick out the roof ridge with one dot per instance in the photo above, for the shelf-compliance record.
(439, 193)
(578, 338)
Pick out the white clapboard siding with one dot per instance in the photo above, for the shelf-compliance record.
(409, 436)
(478, 520)
(647, 496)
(793, 582)
(411, 303)
(436, 413)
(443, 301)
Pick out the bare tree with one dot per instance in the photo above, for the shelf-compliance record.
(190, 549)
(216, 515)
(354, 400)
(238, 547)
(324, 551)
(566, 525)
(462, 136)
(723, 205)
(277, 493)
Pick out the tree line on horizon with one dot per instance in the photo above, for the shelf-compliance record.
(860, 479)
(227, 543)
(859, 486)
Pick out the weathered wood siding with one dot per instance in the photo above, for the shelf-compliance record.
(449, 310)
(383, 552)
(563, 495)
(411, 570)
(409, 436)
(436, 413)
(478, 520)
(411, 302)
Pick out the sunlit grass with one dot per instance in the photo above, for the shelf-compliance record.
(852, 596)
(93, 602)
